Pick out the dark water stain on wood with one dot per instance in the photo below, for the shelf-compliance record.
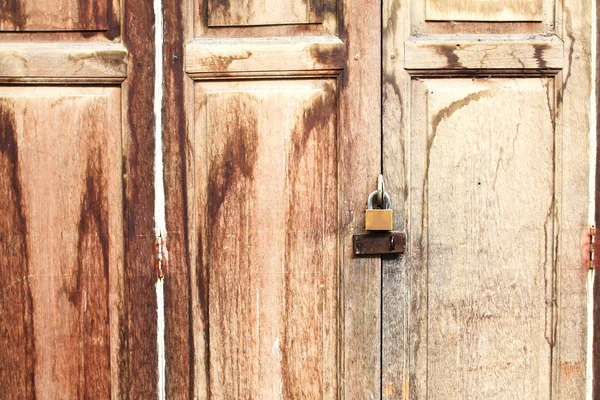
(114, 59)
(225, 4)
(333, 56)
(113, 26)
(222, 63)
(538, 54)
(12, 14)
(441, 115)
(137, 355)
(312, 125)
(92, 14)
(239, 155)
(230, 183)
(452, 59)
(216, 7)
(316, 10)
(92, 258)
(179, 302)
(17, 376)
(569, 67)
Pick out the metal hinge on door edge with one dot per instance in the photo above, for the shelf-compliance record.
(592, 247)
(161, 256)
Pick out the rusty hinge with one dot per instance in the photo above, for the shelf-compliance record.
(161, 256)
(592, 248)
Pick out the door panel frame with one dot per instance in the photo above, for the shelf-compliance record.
(358, 75)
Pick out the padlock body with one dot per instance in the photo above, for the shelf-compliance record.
(379, 220)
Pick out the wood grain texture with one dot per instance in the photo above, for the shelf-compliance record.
(179, 297)
(139, 357)
(482, 10)
(489, 52)
(421, 324)
(422, 23)
(484, 268)
(572, 99)
(360, 135)
(56, 61)
(307, 55)
(264, 12)
(60, 301)
(266, 234)
(395, 137)
(54, 15)
(325, 14)
(596, 290)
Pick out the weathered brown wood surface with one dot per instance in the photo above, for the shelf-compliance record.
(267, 233)
(443, 52)
(177, 123)
(60, 62)
(360, 136)
(63, 234)
(269, 12)
(477, 10)
(260, 217)
(139, 324)
(487, 266)
(490, 299)
(596, 291)
(235, 57)
(56, 15)
(78, 315)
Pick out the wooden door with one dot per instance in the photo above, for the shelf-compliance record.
(276, 118)
(77, 298)
(486, 151)
(272, 144)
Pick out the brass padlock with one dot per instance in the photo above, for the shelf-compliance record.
(381, 219)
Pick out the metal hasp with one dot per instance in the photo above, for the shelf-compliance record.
(369, 243)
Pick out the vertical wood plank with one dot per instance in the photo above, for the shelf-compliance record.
(396, 123)
(360, 144)
(573, 118)
(138, 357)
(596, 290)
(179, 296)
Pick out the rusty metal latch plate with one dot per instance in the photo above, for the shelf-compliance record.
(367, 243)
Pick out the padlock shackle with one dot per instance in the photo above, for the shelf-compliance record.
(387, 202)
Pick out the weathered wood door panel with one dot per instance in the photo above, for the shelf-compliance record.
(77, 303)
(267, 234)
(279, 134)
(486, 147)
(489, 271)
(277, 117)
(58, 15)
(67, 301)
